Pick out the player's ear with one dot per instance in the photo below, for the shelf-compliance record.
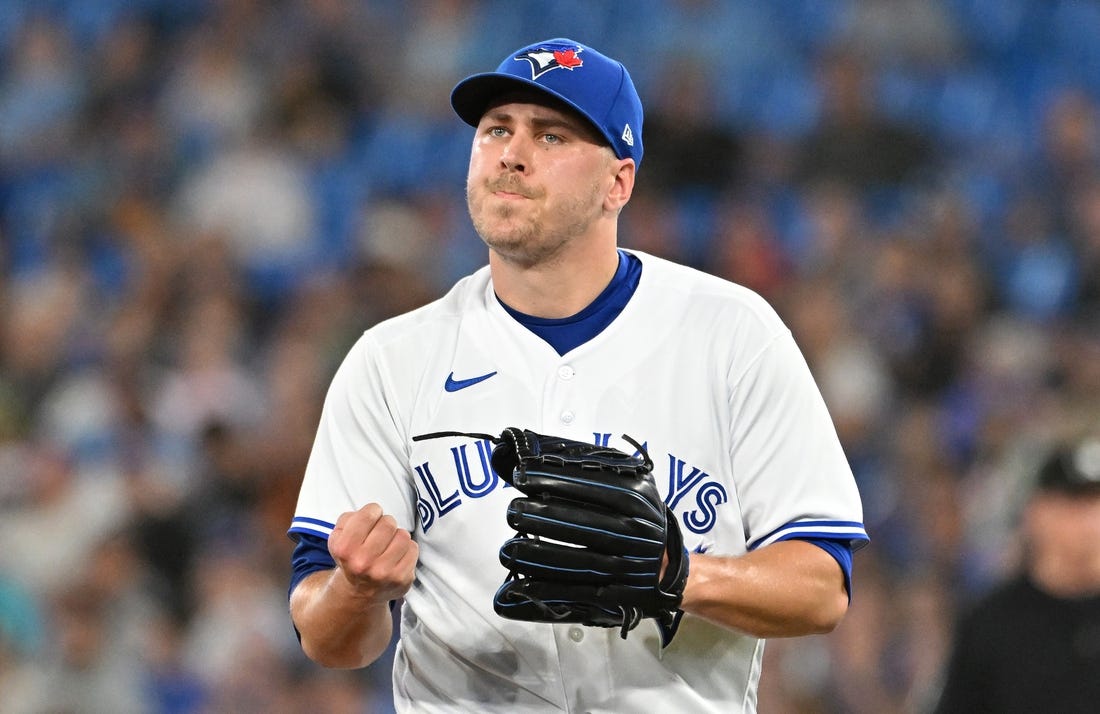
(622, 186)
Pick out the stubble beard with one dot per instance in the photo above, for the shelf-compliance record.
(528, 241)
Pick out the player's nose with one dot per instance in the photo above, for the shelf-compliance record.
(516, 155)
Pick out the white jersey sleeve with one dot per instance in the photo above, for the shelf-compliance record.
(792, 476)
(359, 454)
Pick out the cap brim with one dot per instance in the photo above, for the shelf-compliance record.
(473, 95)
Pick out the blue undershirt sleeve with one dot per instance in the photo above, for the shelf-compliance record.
(841, 550)
(310, 555)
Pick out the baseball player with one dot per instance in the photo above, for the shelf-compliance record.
(563, 333)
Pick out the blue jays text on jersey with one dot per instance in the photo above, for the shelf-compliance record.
(469, 476)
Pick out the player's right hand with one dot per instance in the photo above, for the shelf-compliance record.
(377, 557)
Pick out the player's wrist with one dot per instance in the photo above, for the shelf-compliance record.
(355, 592)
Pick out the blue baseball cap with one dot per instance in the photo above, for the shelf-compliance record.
(1072, 469)
(593, 84)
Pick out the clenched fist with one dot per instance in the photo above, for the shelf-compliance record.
(377, 558)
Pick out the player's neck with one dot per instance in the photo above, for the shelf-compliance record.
(556, 288)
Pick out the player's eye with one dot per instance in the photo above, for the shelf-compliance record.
(552, 138)
(497, 131)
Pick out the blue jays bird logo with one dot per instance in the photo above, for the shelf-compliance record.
(544, 59)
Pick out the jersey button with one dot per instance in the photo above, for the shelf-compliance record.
(576, 634)
(566, 372)
(567, 417)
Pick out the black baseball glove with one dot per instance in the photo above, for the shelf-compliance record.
(592, 534)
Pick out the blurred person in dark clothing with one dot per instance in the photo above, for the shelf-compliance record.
(697, 152)
(854, 143)
(1033, 644)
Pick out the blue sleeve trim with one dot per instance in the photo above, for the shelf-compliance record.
(310, 555)
(851, 533)
(310, 526)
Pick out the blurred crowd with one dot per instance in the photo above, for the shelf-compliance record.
(204, 202)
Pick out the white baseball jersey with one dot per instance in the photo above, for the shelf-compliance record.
(700, 370)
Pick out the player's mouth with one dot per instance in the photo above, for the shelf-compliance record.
(509, 190)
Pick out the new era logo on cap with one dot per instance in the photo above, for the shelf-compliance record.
(597, 87)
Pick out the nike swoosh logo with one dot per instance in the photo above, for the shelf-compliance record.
(453, 385)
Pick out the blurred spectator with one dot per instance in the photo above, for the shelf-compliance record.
(37, 329)
(695, 152)
(1037, 274)
(853, 141)
(99, 622)
(53, 531)
(926, 38)
(207, 381)
(256, 198)
(234, 641)
(1033, 644)
(1069, 151)
(652, 226)
(746, 248)
(1084, 231)
(212, 99)
(22, 640)
(40, 95)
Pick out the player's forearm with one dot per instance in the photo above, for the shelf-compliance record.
(338, 628)
(787, 589)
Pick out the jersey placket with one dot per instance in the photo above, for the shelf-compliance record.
(582, 652)
(583, 657)
(563, 397)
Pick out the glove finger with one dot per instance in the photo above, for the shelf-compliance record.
(534, 600)
(599, 529)
(630, 495)
(539, 558)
